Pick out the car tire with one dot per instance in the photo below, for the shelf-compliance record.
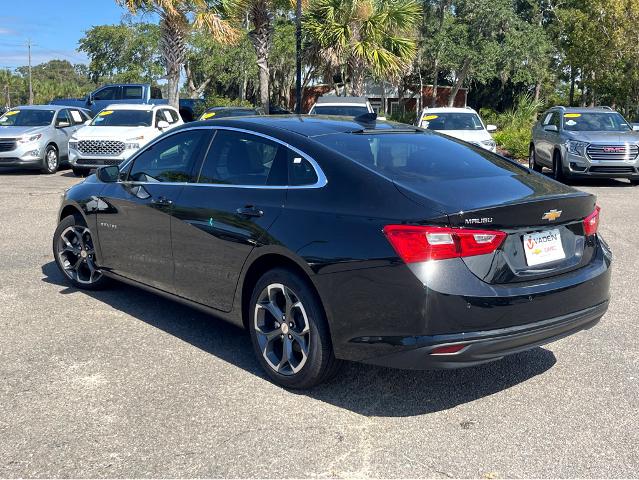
(289, 331)
(558, 169)
(79, 172)
(532, 160)
(51, 161)
(634, 181)
(74, 253)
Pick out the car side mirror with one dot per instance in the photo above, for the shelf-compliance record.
(62, 124)
(88, 122)
(163, 125)
(551, 128)
(491, 128)
(108, 174)
(90, 99)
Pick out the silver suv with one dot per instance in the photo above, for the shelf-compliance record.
(585, 142)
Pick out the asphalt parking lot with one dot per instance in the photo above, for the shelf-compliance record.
(123, 383)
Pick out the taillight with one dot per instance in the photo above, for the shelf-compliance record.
(591, 222)
(420, 244)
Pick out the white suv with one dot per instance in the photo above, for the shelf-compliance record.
(117, 132)
(461, 123)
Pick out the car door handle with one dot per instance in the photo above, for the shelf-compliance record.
(250, 211)
(163, 201)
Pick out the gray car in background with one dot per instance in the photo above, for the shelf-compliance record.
(585, 142)
(37, 136)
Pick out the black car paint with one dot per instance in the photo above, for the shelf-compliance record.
(376, 305)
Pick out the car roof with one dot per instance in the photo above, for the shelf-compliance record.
(306, 125)
(210, 109)
(330, 99)
(583, 109)
(135, 106)
(448, 110)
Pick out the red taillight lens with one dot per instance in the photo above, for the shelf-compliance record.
(448, 349)
(591, 222)
(420, 244)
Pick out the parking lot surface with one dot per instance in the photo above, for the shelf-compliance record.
(123, 383)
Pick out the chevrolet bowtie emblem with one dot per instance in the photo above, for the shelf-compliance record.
(552, 215)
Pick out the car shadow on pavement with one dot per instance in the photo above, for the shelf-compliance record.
(363, 389)
(595, 182)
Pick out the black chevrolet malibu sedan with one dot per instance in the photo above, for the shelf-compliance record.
(335, 239)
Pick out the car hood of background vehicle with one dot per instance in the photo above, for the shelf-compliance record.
(11, 131)
(116, 133)
(467, 135)
(455, 196)
(605, 137)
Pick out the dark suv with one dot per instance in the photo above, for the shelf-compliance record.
(585, 142)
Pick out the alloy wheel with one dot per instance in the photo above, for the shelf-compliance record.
(52, 159)
(282, 329)
(76, 253)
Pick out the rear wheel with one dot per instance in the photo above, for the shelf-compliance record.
(289, 331)
(51, 160)
(532, 160)
(74, 253)
(634, 181)
(558, 169)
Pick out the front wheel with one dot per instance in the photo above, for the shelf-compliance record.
(51, 160)
(80, 172)
(558, 169)
(74, 253)
(289, 331)
(634, 181)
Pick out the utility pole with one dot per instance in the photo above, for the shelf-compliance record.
(30, 81)
(298, 57)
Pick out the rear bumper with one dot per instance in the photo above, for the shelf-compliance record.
(482, 347)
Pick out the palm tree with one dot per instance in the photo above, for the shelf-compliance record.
(259, 17)
(177, 18)
(373, 35)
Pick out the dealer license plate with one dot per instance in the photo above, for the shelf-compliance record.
(543, 247)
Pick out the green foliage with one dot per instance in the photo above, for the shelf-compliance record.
(514, 125)
(123, 53)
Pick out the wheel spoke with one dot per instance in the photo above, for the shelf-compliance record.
(273, 309)
(287, 354)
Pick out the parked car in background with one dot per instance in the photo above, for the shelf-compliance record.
(130, 93)
(224, 112)
(332, 239)
(585, 142)
(37, 136)
(117, 132)
(344, 106)
(462, 123)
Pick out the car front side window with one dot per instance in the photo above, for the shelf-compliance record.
(171, 159)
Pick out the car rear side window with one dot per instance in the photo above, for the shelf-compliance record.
(171, 159)
(300, 170)
(130, 92)
(238, 158)
(418, 158)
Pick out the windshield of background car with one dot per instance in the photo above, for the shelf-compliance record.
(452, 121)
(27, 118)
(345, 110)
(415, 159)
(123, 118)
(595, 122)
(239, 112)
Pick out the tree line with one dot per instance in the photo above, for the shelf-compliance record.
(576, 52)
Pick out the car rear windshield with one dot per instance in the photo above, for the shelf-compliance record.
(123, 118)
(452, 121)
(27, 118)
(418, 158)
(595, 122)
(345, 110)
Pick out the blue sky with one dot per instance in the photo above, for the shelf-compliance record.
(54, 26)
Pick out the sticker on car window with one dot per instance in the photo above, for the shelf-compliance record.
(76, 116)
(12, 112)
(105, 113)
(208, 115)
(167, 116)
(430, 117)
(571, 123)
(572, 115)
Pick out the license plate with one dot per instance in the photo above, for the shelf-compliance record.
(543, 247)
